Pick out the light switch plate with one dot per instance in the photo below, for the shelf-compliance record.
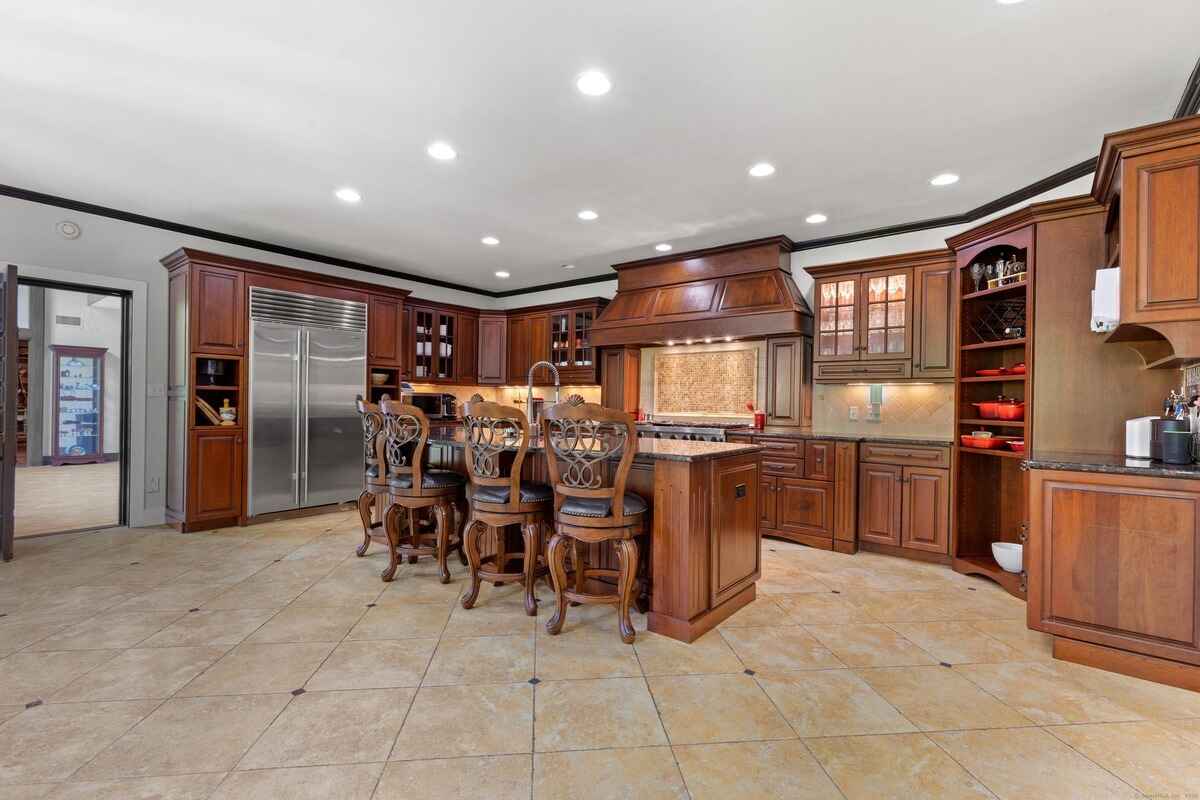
(854, 413)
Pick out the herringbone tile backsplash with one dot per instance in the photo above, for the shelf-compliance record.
(922, 410)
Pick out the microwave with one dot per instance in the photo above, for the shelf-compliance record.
(436, 405)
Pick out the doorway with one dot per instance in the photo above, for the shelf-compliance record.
(72, 408)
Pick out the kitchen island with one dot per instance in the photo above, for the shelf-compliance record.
(703, 557)
(1113, 563)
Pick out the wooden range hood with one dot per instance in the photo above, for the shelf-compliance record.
(743, 290)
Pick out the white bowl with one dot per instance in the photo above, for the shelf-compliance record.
(1008, 555)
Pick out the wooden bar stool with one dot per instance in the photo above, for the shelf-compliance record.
(411, 487)
(499, 498)
(375, 490)
(583, 440)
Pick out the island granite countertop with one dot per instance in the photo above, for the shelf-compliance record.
(1110, 463)
(648, 449)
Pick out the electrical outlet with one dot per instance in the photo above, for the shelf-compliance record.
(152, 485)
(854, 413)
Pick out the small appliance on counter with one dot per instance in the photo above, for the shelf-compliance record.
(1137, 437)
(1159, 427)
(436, 405)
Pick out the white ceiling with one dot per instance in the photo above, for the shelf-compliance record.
(243, 117)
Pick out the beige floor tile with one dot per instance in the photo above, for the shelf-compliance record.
(8, 712)
(607, 712)
(174, 787)
(28, 791)
(763, 611)
(173, 597)
(936, 698)
(1147, 699)
(332, 728)
(754, 771)
(342, 590)
(645, 773)
(1186, 728)
(661, 655)
(501, 619)
(302, 569)
(407, 589)
(488, 659)
(691, 716)
(188, 735)
(902, 766)
(1033, 645)
(142, 673)
(344, 782)
(50, 742)
(586, 654)
(109, 631)
(230, 569)
(780, 648)
(1147, 756)
(1030, 763)
(870, 646)
(820, 608)
(448, 721)
(223, 627)
(260, 669)
(956, 642)
(18, 631)
(493, 777)
(255, 593)
(1043, 695)
(415, 621)
(374, 665)
(833, 702)
(589, 619)
(297, 624)
(29, 676)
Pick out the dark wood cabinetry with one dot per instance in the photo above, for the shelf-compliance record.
(925, 523)
(904, 499)
(493, 348)
(798, 499)
(218, 301)
(560, 334)
(881, 503)
(885, 318)
(385, 331)
(789, 367)
(215, 483)
(619, 378)
(444, 343)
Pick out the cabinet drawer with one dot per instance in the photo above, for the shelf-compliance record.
(785, 448)
(913, 455)
(862, 370)
(787, 467)
(818, 461)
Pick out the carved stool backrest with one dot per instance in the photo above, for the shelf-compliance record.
(406, 429)
(374, 441)
(490, 430)
(589, 451)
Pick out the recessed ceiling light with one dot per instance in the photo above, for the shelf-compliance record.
(347, 195)
(815, 219)
(501, 273)
(944, 179)
(593, 82)
(662, 248)
(442, 151)
(490, 241)
(587, 215)
(762, 169)
(568, 266)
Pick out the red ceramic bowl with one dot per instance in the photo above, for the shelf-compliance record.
(1016, 369)
(1010, 411)
(1017, 445)
(987, 410)
(980, 443)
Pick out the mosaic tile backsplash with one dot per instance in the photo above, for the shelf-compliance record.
(705, 382)
(923, 410)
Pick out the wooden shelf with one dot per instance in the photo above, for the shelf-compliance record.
(994, 379)
(998, 290)
(986, 565)
(997, 453)
(994, 345)
(1004, 423)
(216, 388)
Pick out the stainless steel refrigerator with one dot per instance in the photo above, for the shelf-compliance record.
(308, 361)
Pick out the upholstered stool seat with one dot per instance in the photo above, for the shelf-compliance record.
(430, 479)
(598, 508)
(528, 493)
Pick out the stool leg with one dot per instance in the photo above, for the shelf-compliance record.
(531, 532)
(501, 550)
(441, 515)
(461, 519)
(556, 555)
(365, 501)
(577, 561)
(471, 534)
(627, 554)
(391, 524)
(414, 536)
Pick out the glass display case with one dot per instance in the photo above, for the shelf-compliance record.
(78, 404)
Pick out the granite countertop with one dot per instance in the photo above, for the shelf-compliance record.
(648, 449)
(1109, 463)
(801, 433)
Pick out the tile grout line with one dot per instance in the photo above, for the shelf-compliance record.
(658, 713)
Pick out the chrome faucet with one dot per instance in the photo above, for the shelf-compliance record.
(529, 393)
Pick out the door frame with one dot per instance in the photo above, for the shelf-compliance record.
(123, 463)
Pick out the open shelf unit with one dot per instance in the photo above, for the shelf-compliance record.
(995, 332)
(390, 385)
(215, 380)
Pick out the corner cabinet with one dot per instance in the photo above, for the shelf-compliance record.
(560, 334)
(885, 319)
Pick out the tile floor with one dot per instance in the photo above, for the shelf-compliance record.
(270, 662)
(69, 497)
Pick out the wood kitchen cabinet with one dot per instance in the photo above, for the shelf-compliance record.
(880, 503)
(215, 485)
(385, 331)
(619, 378)
(444, 344)
(796, 501)
(904, 499)
(885, 319)
(217, 309)
(467, 366)
(560, 334)
(493, 348)
(789, 367)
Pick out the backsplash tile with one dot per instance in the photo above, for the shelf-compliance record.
(908, 410)
(704, 383)
(509, 395)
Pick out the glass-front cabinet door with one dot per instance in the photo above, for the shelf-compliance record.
(887, 302)
(78, 404)
(445, 348)
(422, 344)
(837, 319)
(583, 353)
(560, 340)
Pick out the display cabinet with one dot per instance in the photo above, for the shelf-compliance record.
(78, 404)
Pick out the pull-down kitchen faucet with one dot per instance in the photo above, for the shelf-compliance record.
(529, 393)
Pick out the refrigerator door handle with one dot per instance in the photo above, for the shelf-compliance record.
(302, 421)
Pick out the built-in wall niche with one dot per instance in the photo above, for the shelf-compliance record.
(216, 387)
(383, 381)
